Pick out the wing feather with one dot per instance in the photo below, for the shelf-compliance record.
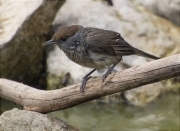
(107, 42)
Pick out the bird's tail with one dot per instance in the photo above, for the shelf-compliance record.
(144, 54)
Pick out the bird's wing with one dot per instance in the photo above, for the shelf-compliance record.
(107, 42)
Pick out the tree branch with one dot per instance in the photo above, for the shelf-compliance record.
(47, 101)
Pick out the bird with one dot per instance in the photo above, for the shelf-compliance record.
(94, 48)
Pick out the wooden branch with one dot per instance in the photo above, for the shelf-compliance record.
(47, 101)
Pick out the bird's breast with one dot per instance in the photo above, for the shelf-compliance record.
(79, 56)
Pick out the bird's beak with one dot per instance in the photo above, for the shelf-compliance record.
(49, 42)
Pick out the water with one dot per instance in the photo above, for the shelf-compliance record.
(161, 115)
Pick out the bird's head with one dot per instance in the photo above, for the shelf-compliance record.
(63, 34)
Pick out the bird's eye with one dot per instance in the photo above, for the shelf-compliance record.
(63, 39)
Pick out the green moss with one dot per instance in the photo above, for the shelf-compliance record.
(54, 81)
(172, 84)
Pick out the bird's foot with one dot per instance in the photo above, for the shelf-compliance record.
(108, 72)
(105, 75)
(85, 79)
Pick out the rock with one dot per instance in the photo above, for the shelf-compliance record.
(23, 120)
(24, 27)
(137, 25)
(145, 94)
(169, 9)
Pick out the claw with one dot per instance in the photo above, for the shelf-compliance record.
(105, 75)
(103, 78)
(85, 79)
(82, 86)
(108, 72)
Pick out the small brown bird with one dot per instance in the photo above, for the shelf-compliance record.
(94, 48)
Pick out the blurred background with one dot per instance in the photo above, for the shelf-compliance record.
(149, 25)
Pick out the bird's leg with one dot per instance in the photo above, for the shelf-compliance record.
(108, 71)
(85, 79)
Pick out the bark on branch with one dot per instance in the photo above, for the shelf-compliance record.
(47, 101)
